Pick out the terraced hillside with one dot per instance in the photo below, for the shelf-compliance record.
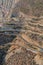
(29, 37)
(21, 34)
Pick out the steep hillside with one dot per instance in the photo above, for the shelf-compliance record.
(31, 7)
(21, 34)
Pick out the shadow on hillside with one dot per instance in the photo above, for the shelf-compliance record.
(4, 39)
